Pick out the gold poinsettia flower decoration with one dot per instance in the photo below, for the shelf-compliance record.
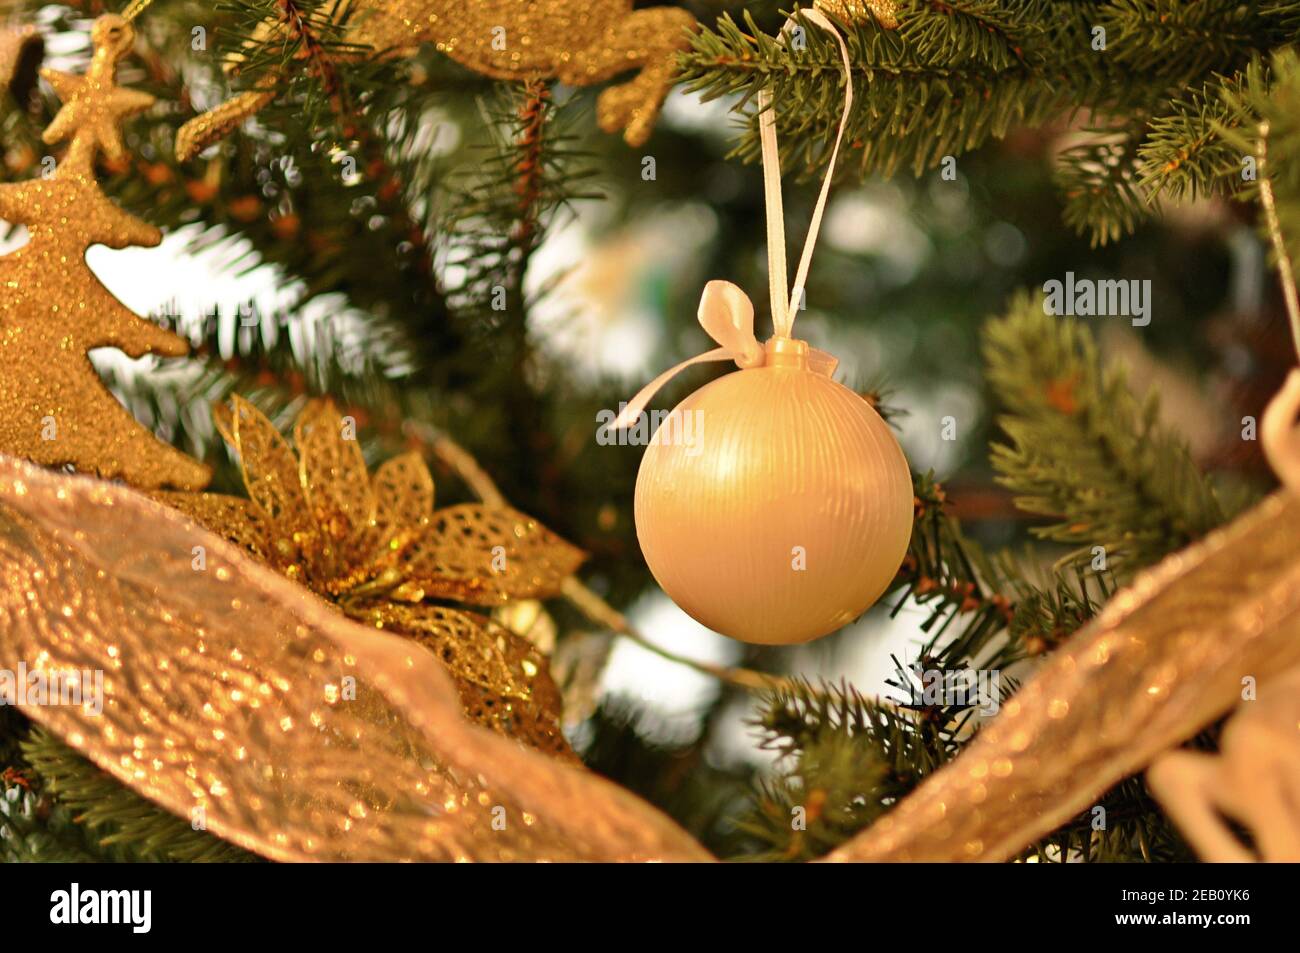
(377, 549)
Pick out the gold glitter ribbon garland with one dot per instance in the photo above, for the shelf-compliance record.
(297, 734)
(884, 13)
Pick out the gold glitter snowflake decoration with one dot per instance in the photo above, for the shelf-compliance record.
(377, 549)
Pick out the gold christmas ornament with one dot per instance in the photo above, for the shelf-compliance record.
(1254, 780)
(579, 42)
(53, 407)
(773, 505)
(377, 549)
(233, 697)
(1166, 657)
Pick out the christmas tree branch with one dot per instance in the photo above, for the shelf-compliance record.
(953, 75)
(602, 613)
(56, 806)
(1083, 450)
(302, 32)
(114, 815)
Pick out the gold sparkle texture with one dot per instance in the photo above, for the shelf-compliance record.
(376, 548)
(226, 689)
(21, 51)
(882, 12)
(1165, 658)
(94, 105)
(578, 42)
(54, 409)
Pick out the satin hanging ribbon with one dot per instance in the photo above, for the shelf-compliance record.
(1279, 434)
(726, 313)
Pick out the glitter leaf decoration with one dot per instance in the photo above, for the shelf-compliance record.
(487, 555)
(54, 409)
(377, 548)
(234, 695)
(578, 42)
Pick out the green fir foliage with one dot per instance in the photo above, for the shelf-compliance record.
(1153, 80)
(1083, 451)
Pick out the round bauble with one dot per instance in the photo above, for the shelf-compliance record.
(774, 505)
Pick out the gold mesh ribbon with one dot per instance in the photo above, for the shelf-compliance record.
(227, 689)
(1251, 783)
(883, 13)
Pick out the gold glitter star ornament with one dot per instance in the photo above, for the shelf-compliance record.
(94, 105)
(54, 409)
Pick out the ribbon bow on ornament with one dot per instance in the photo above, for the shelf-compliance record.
(726, 313)
(727, 316)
